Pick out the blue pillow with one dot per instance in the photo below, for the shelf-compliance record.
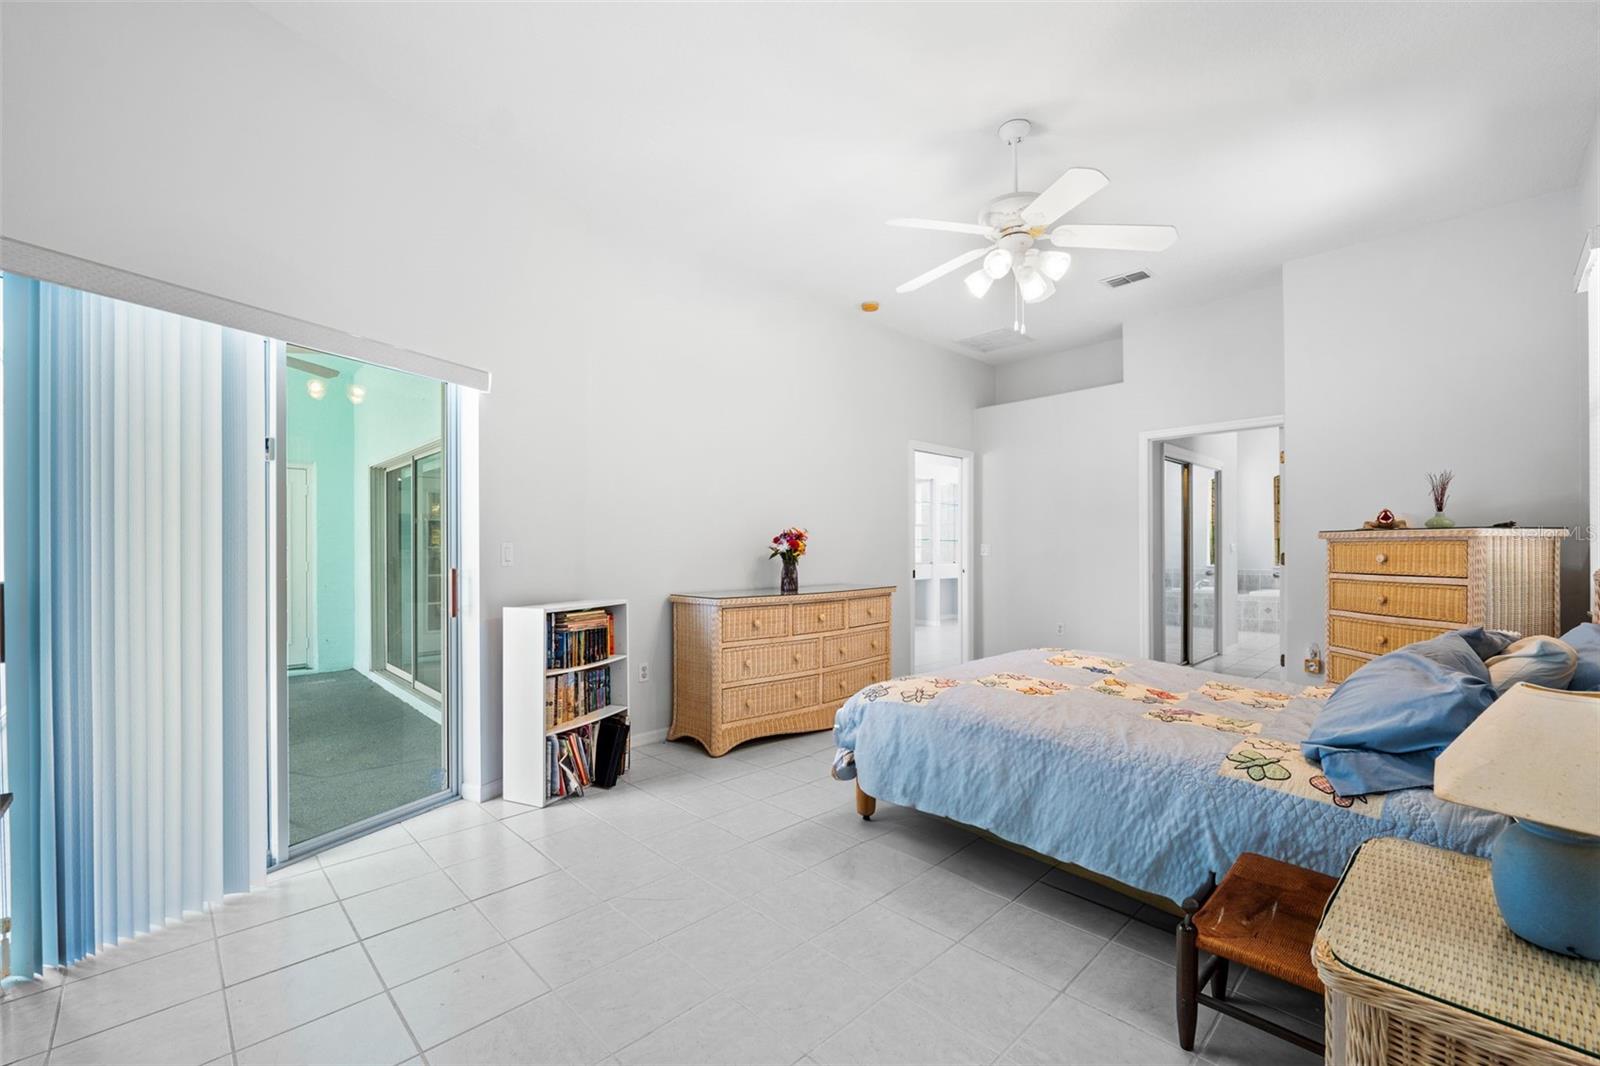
(1487, 642)
(1384, 726)
(1585, 640)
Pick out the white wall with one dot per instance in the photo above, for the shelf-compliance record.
(1084, 367)
(1455, 345)
(174, 141)
(1059, 475)
(1258, 465)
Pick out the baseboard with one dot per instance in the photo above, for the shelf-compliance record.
(479, 793)
(655, 736)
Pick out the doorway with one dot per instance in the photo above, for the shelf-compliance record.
(366, 731)
(1213, 586)
(941, 510)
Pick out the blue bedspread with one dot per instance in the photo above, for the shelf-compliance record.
(1148, 773)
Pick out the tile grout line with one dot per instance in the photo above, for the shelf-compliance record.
(222, 988)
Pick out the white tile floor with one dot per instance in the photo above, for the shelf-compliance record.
(732, 910)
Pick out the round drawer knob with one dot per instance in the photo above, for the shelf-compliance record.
(747, 705)
(822, 616)
(1382, 600)
(871, 611)
(841, 651)
(797, 696)
(796, 656)
(1382, 558)
(755, 623)
(1382, 640)
(874, 645)
(747, 664)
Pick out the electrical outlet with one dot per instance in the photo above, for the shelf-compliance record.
(507, 554)
(644, 673)
(1060, 628)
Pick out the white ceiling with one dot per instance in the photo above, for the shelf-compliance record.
(776, 138)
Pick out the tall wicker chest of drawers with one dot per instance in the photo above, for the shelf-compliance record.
(1391, 587)
(755, 664)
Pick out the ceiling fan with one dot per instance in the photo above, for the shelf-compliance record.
(1011, 225)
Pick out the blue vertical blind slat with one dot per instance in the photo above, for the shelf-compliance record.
(134, 602)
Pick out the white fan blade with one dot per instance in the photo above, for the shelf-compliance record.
(1069, 190)
(1115, 238)
(942, 269)
(948, 227)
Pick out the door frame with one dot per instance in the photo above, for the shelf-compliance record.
(968, 528)
(311, 566)
(1151, 442)
(280, 851)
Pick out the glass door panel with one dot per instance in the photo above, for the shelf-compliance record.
(938, 565)
(429, 638)
(365, 730)
(1203, 564)
(400, 576)
(1174, 600)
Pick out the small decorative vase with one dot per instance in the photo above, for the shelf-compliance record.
(1440, 520)
(791, 575)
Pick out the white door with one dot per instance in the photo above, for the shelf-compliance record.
(939, 519)
(297, 485)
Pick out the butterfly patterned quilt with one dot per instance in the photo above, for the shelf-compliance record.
(1146, 772)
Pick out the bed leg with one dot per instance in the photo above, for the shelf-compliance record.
(865, 804)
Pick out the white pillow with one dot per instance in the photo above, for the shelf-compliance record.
(1543, 661)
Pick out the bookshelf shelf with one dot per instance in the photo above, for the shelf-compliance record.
(549, 733)
(558, 670)
(589, 719)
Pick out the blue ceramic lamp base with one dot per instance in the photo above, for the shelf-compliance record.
(1547, 883)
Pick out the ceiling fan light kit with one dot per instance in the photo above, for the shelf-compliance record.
(1014, 222)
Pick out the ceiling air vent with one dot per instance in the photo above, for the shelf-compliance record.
(1125, 279)
(996, 340)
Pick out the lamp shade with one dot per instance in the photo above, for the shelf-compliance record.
(1534, 754)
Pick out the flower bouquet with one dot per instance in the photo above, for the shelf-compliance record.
(789, 545)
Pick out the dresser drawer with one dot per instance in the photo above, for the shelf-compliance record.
(774, 697)
(1341, 666)
(1410, 558)
(770, 660)
(840, 685)
(873, 612)
(1442, 603)
(1377, 638)
(856, 646)
(754, 623)
(818, 617)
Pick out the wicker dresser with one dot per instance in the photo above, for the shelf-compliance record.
(753, 663)
(1391, 587)
(1421, 970)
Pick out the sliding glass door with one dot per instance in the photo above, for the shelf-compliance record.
(409, 569)
(1190, 560)
(366, 724)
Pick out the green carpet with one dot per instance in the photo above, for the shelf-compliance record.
(355, 751)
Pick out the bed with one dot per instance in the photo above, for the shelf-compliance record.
(1150, 774)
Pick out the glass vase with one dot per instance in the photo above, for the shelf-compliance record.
(790, 582)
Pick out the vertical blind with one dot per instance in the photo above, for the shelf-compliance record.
(135, 525)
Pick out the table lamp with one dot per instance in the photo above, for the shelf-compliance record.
(1535, 755)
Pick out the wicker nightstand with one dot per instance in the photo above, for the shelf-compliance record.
(1419, 968)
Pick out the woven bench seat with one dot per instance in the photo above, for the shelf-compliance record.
(1262, 916)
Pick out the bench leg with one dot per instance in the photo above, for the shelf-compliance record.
(865, 804)
(1188, 964)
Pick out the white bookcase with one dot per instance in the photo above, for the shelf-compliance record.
(524, 671)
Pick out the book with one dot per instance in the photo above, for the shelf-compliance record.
(578, 638)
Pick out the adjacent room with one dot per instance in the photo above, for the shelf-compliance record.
(673, 533)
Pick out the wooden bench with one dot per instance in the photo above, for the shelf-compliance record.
(1263, 916)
